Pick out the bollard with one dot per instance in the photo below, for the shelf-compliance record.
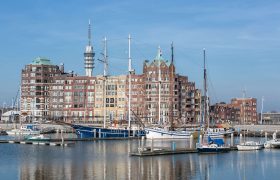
(191, 142)
(274, 135)
(62, 138)
(142, 143)
(265, 136)
(200, 139)
(133, 132)
(94, 133)
(152, 145)
(231, 139)
(173, 146)
(240, 140)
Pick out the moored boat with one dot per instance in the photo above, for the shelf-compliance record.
(274, 143)
(249, 146)
(163, 133)
(28, 129)
(40, 137)
(213, 146)
(218, 132)
(3, 133)
(98, 132)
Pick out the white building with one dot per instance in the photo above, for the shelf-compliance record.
(10, 116)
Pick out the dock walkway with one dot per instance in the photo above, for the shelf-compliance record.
(147, 151)
(47, 143)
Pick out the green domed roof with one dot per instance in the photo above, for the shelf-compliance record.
(41, 61)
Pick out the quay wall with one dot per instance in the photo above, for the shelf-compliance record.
(8, 126)
(257, 128)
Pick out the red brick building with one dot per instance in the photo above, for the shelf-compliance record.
(47, 92)
(239, 111)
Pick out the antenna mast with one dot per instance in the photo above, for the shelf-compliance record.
(89, 33)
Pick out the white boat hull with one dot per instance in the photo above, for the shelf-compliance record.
(249, 146)
(165, 134)
(38, 138)
(17, 132)
(272, 144)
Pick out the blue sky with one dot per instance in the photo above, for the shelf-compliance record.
(242, 40)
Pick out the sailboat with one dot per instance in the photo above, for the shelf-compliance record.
(25, 129)
(213, 145)
(248, 145)
(109, 132)
(212, 132)
(165, 132)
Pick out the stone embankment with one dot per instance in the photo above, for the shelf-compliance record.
(258, 128)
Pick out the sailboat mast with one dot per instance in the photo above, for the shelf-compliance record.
(105, 58)
(243, 103)
(205, 108)
(159, 85)
(262, 111)
(129, 83)
(105, 61)
(172, 61)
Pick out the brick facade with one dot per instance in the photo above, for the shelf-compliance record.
(47, 92)
(239, 111)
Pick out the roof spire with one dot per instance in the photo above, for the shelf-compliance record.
(89, 33)
(172, 53)
(159, 52)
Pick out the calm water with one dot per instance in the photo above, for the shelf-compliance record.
(108, 159)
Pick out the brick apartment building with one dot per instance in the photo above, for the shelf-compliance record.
(239, 111)
(47, 92)
(36, 81)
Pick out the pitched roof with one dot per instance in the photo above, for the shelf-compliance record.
(158, 60)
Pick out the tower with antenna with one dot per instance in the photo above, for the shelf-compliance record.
(89, 54)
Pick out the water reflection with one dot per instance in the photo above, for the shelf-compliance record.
(110, 160)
